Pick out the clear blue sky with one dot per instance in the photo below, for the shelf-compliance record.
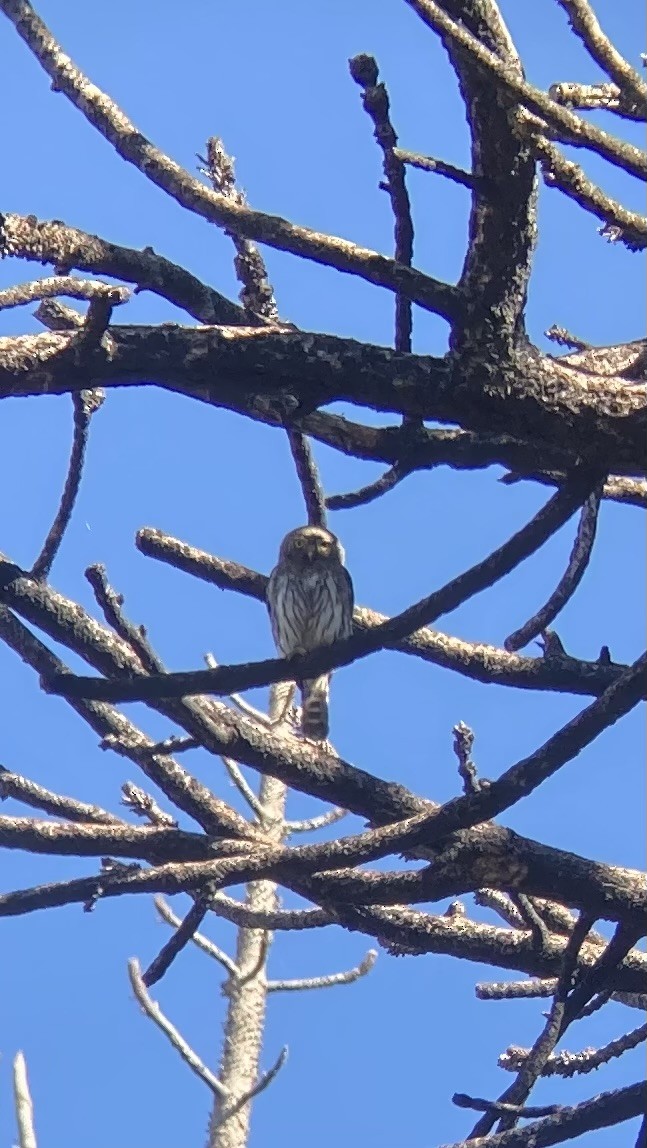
(375, 1063)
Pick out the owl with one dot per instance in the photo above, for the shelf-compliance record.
(310, 600)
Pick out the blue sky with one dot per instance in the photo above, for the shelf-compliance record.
(376, 1062)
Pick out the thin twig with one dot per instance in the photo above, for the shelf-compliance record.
(144, 805)
(311, 824)
(257, 297)
(584, 23)
(180, 939)
(233, 769)
(577, 563)
(199, 940)
(595, 1004)
(308, 475)
(84, 403)
(387, 481)
(263, 1083)
(30, 793)
(154, 1012)
(538, 927)
(253, 971)
(245, 790)
(111, 603)
(463, 742)
(515, 990)
(172, 744)
(596, 978)
(429, 163)
(501, 904)
(346, 978)
(22, 294)
(97, 321)
(375, 99)
(241, 703)
(565, 338)
(257, 293)
(497, 1107)
(587, 97)
(630, 227)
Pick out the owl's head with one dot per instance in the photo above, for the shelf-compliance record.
(309, 545)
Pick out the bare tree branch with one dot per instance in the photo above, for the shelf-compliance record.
(85, 403)
(376, 103)
(331, 980)
(200, 941)
(628, 226)
(572, 1063)
(428, 163)
(184, 933)
(531, 1069)
(584, 23)
(603, 1111)
(577, 563)
(29, 792)
(154, 1013)
(308, 475)
(133, 147)
(605, 96)
(257, 293)
(567, 126)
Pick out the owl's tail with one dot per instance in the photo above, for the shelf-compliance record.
(314, 719)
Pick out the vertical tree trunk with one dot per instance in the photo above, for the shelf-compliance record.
(247, 992)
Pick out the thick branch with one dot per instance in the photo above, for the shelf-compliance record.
(276, 376)
(502, 221)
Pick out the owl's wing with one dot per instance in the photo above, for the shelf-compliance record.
(272, 592)
(347, 593)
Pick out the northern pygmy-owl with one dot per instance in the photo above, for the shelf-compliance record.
(310, 600)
